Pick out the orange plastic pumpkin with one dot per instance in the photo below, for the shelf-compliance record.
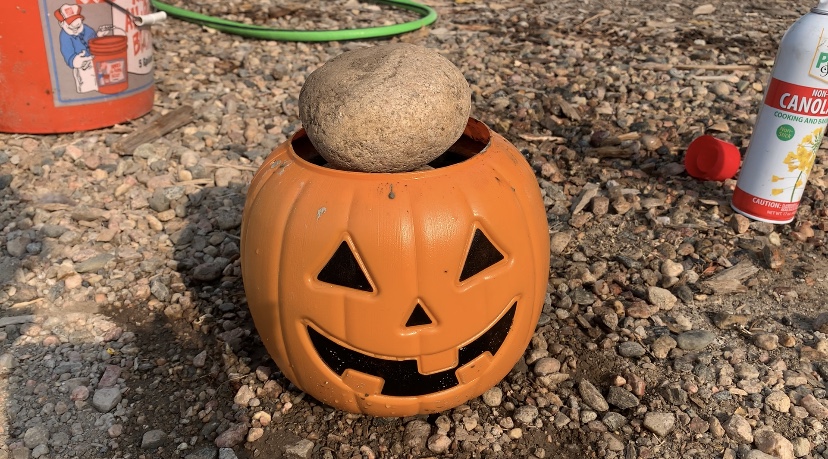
(394, 294)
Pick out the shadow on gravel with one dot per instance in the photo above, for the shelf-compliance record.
(198, 344)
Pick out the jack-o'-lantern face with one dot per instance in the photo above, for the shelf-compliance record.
(396, 294)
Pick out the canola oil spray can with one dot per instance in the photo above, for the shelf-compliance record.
(790, 124)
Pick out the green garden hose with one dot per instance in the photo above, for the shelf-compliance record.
(253, 31)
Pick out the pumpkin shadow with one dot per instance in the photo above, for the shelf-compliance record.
(231, 354)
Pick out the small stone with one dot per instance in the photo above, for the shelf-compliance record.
(200, 360)
(301, 449)
(659, 423)
(94, 264)
(670, 268)
(244, 395)
(40, 451)
(773, 257)
(695, 340)
(547, 365)
(716, 428)
(115, 430)
(558, 242)
(153, 439)
(17, 247)
(650, 142)
(263, 417)
(254, 434)
(227, 453)
(720, 88)
(600, 205)
(110, 376)
(592, 396)
(773, 443)
(158, 201)
(357, 117)
(233, 436)
(493, 396)
(79, 393)
(707, 8)
(72, 281)
(159, 289)
(698, 425)
(36, 435)
(821, 322)
(416, 433)
(613, 442)
(725, 320)
(739, 429)
(801, 446)
(106, 399)
(622, 398)
(526, 414)
(767, 341)
(739, 223)
(207, 272)
(561, 420)
(814, 407)
(207, 452)
(589, 191)
(661, 298)
(621, 206)
(746, 371)
(439, 443)
(640, 310)
(588, 416)
(614, 421)
(787, 340)
(631, 349)
(662, 346)
(224, 176)
(674, 395)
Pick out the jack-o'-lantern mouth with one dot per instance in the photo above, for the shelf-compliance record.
(401, 378)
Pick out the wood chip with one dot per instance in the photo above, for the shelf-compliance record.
(704, 9)
(566, 108)
(541, 138)
(156, 129)
(740, 271)
(16, 320)
(610, 151)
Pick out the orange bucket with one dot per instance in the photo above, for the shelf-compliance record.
(64, 71)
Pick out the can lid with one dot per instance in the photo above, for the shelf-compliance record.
(822, 7)
(709, 158)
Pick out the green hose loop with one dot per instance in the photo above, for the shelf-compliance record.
(264, 33)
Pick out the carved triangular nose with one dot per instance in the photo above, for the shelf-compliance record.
(418, 317)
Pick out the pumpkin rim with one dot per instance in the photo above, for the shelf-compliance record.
(475, 131)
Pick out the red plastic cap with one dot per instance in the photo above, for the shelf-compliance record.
(709, 158)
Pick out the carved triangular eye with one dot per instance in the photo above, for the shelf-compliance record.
(344, 270)
(418, 317)
(482, 254)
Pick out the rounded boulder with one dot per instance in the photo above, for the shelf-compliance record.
(387, 108)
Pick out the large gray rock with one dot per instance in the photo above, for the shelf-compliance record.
(386, 108)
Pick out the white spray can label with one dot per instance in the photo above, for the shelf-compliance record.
(789, 127)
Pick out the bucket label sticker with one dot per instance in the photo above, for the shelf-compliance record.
(94, 49)
(788, 133)
(111, 72)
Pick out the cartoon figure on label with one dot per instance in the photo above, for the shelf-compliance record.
(74, 45)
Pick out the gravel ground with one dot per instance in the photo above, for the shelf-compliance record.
(673, 328)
